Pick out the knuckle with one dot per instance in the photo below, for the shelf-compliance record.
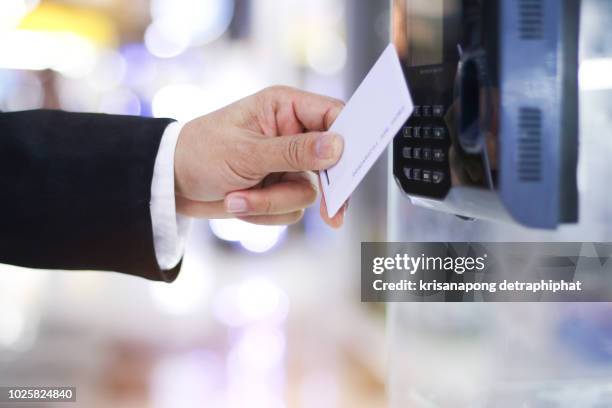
(337, 103)
(264, 96)
(266, 90)
(294, 152)
(263, 204)
(267, 205)
(253, 157)
(276, 89)
(250, 156)
(244, 150)
(272, 89)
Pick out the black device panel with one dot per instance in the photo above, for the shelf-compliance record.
(426, 34)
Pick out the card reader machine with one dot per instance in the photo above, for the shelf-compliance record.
(494, 133)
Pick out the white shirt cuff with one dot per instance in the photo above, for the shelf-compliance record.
(169, 228)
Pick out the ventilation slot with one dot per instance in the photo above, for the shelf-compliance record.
(531, 13)
(530, 145)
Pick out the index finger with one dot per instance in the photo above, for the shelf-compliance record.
(314, 112)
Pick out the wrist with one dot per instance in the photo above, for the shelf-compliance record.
(181, 173)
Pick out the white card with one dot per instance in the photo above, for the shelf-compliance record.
(369, 121)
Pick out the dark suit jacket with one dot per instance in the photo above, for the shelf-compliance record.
(75, 191)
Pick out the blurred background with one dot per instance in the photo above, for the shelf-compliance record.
(271, 316)
(259, 316)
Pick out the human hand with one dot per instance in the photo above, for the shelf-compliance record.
(252, 159)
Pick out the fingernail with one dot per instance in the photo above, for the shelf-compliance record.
(328, 146)
(236, 205)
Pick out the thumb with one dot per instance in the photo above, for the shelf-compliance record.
(303, 152)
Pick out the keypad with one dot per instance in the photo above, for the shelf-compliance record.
(424, 175)
(439, 132)
(437, 111)
(424, 151)
(438, 155)
(437, 177)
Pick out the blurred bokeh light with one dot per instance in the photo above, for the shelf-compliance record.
(229, 332)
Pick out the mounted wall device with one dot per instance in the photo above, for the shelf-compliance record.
(494, 134)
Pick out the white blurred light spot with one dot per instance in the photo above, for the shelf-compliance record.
(227, 230)
(180, 102)
(254, 238)
(64, 52)
(264, 240)
(202, 21)
(11, 13)
(187, 380)
(76, 56)
(254, 300)
(255, 366)
(166, 40)
(258, 350)
(12, 326)
(326, 53)
(109, 71)
(596, 74)
(21, 291)
(255, 393)
(120, 102)
(184, 296)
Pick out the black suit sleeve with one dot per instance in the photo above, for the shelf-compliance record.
(75, 191)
